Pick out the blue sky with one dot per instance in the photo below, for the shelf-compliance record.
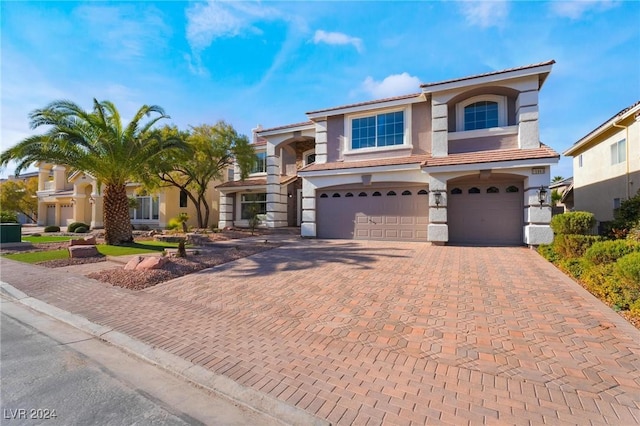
(270, 62)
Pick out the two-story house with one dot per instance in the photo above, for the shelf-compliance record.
(459, 162)
(606, 164)
(66, 196)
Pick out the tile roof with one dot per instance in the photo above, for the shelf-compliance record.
(262, 181)
(425, 85)
(286, 126)
(413, 159)
(395, 98)
(491, 156)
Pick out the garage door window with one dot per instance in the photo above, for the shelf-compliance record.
(423, 192)
(474, 190)
(376, 194)
(407, 192)
(348, 194)
(512, 189)
(391, 193)
(362, 194)
(492, 190)
(456, 191)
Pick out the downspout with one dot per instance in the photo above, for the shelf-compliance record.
(627, 159)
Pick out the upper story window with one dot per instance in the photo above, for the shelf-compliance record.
(260, 165)
(378, 130)
(183, 198)
(580, 160)
(481, 112)
(619, 152)
(309, 157)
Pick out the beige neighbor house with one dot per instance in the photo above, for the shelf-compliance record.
(606, 164)
(459, 162)
(72, 196)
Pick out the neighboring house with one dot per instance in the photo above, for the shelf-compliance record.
(460, 162)
(606, 164)
(72, 196)
(564, 188)
(23, 177)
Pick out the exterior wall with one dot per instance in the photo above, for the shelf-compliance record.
(335, 136)
(421, 128)
(170, 206)
(486, 143)
(598, 197)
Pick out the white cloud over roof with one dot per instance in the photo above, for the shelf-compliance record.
(392, 85)
(485, 14)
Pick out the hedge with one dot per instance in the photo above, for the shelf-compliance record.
(75, 225)
(580, 223)
(610, 251)
(571, 246)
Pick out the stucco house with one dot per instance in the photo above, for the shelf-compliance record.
(564, 188)
(458, 162)
(606, 164)
(66, 196)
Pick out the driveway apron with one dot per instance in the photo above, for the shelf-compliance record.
(384, 332)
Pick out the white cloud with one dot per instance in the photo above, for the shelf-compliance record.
(575, 9)
(217, 19)
(485, 14)
(393, 85)
(335, 38)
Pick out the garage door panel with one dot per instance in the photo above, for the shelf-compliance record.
(373, 217)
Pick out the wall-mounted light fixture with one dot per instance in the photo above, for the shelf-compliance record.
(437, 197)
(290, 195)
(542, 195)
(73, 201)
(91, 200)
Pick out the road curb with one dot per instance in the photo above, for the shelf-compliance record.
(177, 366)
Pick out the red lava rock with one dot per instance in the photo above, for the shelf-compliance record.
(151, 263)
(133, 263)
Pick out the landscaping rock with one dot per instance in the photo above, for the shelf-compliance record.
(133, 263)
(197, 239)
(86, 241)
(83, 251)
(151, 263)
(169, 238)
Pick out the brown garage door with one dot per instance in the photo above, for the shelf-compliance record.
(376, 213)
(486, 213)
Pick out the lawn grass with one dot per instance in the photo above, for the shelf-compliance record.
(144, 247)
(45, 239)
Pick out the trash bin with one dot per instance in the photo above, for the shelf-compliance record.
(10, 233)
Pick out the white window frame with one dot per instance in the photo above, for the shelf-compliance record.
(306, 154)
(153, 199)
(241, 203)
(252, 173)
(502, 111)
(406, 136)
(620, 148)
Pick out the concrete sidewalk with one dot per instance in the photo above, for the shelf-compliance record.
(372, 333)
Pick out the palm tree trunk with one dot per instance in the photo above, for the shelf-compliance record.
(117, 224)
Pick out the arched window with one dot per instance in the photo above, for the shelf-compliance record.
(492, 190)
(324, 196)
(423, 192)
(362, 194)
(391, 193)
(406, 192)
(348, 194)
(481, 112)
(456, 191)
(474, 190)
(336, 195)
(376, 194)
(512, 189)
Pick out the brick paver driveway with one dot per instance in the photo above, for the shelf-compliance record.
(406, 332)
(389, 333)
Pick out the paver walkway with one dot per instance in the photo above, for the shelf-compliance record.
(384, 333)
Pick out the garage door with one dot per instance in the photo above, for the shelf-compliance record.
(485, 213)
(66, 214)
(376, 213)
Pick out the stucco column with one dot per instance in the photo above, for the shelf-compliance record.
(79, 208)
(226, 211)
(97, 211)
(321, 142)
(43, 178)
(59, 177)
(537, 216)
(440, 129)
(42, 213)
(276, 201)
(527, 118)
(308, 225)
(438, 229)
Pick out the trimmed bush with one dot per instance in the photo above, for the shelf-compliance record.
(174, 224)
(575, 267)
(75, 225)
(601, 281)
(580, 223)
(8, 217)
(571, 246)
(52, 228)
(547, 251)
(81, 230)
(610, 251)
(628, 269)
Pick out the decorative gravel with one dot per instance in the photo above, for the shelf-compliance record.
(177, 267)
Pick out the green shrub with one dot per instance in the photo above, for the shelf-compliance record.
(571, 246)
(627, 268)
(610, 251)
(81, 230)
(52, 228)
(580, 223)
(174, 224)
(547, 251)
(627, 216)
(8, 217)
(600, 280)
(75, 225)
(575, 267)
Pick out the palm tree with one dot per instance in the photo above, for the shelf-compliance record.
(97, 143)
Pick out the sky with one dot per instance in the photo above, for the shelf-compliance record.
(270, 62)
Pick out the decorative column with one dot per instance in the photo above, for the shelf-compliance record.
(226, 211)
(276, 200)
(438, 230)
(308, 226)
(527, 117)
(537, 215)
(97, 211)
(440, 128)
